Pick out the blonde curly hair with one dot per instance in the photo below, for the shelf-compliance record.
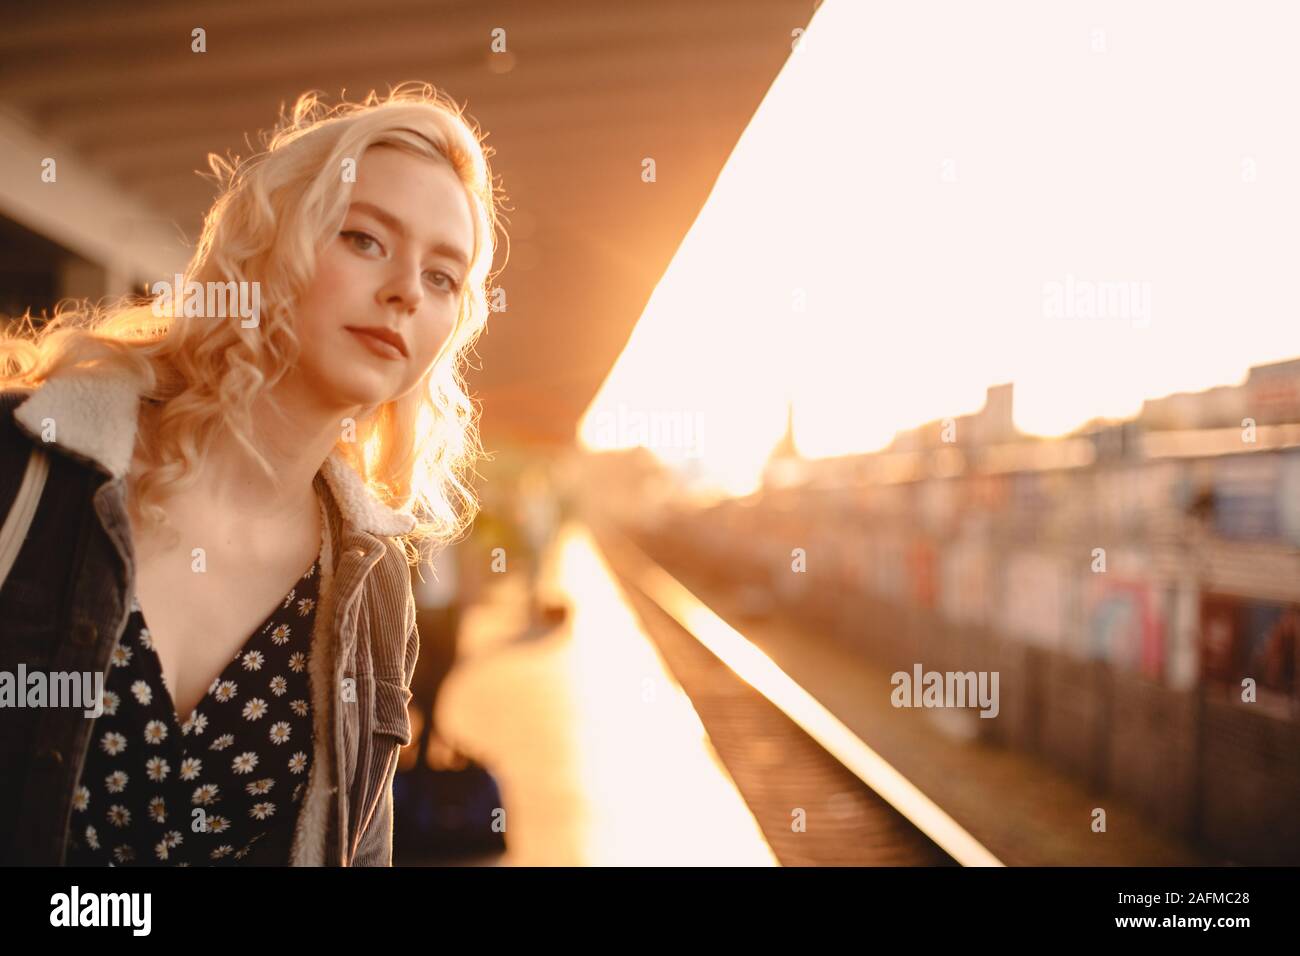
(274, 210)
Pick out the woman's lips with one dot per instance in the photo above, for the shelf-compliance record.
(377, 345)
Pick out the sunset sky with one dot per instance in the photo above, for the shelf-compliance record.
(880, 245)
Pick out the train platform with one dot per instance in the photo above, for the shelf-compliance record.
(604, 759)
(599, 754)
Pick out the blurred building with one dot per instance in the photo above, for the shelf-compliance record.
(991, 425)
(1137, 584)
(1270, 395)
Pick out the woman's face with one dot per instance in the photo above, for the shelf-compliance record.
(394, 268)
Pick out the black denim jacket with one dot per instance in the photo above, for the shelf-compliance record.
(66, 601)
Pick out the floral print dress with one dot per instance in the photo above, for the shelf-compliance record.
(224, 786)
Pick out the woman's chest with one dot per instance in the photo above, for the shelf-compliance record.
(202, 607)
(209, 577)
(158, 789)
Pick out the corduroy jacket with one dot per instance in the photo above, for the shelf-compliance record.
(66, 602)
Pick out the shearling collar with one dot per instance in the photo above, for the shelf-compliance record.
(96, 416)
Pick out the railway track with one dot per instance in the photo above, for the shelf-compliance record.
(821, 796)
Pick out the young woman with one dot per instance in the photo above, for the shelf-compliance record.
(233, 499)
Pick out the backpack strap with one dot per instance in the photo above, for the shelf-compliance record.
(23, 510)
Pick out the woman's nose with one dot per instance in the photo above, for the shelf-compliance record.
(404, 287)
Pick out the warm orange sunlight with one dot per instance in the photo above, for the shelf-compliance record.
(880, 259)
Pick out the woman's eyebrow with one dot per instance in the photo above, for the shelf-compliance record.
(395, 224)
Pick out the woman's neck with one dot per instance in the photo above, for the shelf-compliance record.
(294, 435)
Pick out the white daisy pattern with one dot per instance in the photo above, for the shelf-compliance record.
(119, 815)
(245, 762)
(147, 770)
(142, 692)
(195, 724)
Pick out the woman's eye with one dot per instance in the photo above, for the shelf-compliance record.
(358, 238)
(452, 285)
